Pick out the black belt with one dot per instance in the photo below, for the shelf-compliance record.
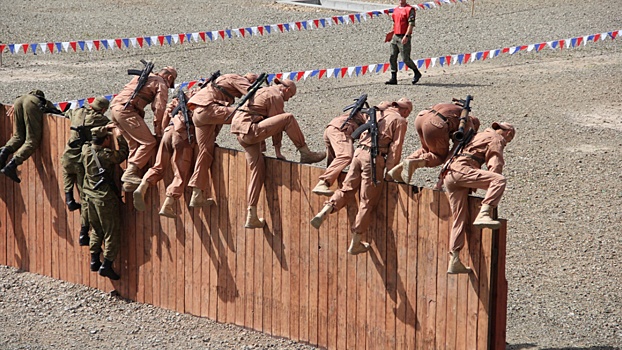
(223, 91)
(438, 114)
(475, 158)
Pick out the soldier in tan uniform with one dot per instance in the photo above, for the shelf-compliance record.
(210, 108)
(82, 121)
(435, 126)
(28, 113)
(464, 174)
(392, 125)
(175, 150)
(263, 116)
(131, 121)
(100, 159)
(339, 149)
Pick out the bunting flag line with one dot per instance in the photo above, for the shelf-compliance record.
(198, 37)
(446, 60)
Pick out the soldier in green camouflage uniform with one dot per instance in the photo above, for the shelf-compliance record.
(27, 131)
(82, 121)
(102, 197)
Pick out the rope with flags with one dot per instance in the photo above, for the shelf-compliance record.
(443, 61)
(206, 36)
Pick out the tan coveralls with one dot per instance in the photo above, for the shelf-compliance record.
(210, 107)
(131, 120)
(435, 127)
(174, 150)
(261, 117)
(391, 132)
(339, 145)
(465, 173)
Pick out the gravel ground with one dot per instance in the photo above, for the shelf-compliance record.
(564, 188)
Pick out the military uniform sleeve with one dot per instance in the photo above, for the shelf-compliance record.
(411, 17)
(395, 149)
(166, 120)
(111, 157)
(494, 156)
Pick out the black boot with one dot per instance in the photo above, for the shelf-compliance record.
(4, 156)
(416, 77)
(10, 170)
(71, 203)
(95, 262)
(107, 271)
(393, 80)
(84, 237)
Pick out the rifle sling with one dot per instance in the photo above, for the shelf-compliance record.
(439, 114)
(221, 89)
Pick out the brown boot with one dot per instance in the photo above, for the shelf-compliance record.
(252, 221)
(323, 188)
(309, 157)
(131, 174)
(198, 200)
(456, 266)
(319, 218)
(168, 208)
(396, 172)
(357, 246)
(139, 196)
(484, 218)
(411, 165)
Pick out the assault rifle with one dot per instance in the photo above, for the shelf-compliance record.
(372, 127)
(182, 107)
(460, 137)
(263, 77)
(464, 115)
(142, 79)
(211, 78)
(356, 107)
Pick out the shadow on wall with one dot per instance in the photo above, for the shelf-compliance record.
(530, 346)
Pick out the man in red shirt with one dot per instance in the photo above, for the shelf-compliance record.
(403, 24)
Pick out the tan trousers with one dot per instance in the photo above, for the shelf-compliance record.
(177, 152)
(434, 136)
(359, 178)
(207, 121)
(141, 142)
(252, 142)
(459, 180)
(340, 150)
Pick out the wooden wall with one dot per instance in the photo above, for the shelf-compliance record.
(289, 279)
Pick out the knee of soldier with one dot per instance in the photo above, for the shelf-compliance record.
(499, 181)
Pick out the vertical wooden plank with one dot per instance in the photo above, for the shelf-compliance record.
(4, 217)
(50, 254)
(364, 291)
(451, 325)
(484, 279)
(221, 234)
(51, 148)
(333, 262)
(412, 321)
(287, 236)
(238, 240)
(61, 207)
(273, 191)
(266, 244)
(249, 238)
(165, 260)
(180, 259)
(426, 279)
(146, 270)
(500, 291)
(293, 258)
(139, 251)
(391, 281)
(323, 257)
(131, 250)
(213, 220)
(444, 231)
(306, 213)
(230, 242)
(188, 248)
(474, 245)
(29, 174)
(401, 239)
(206, 258)
(156, 244)
(314, 264)
(346, 283)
